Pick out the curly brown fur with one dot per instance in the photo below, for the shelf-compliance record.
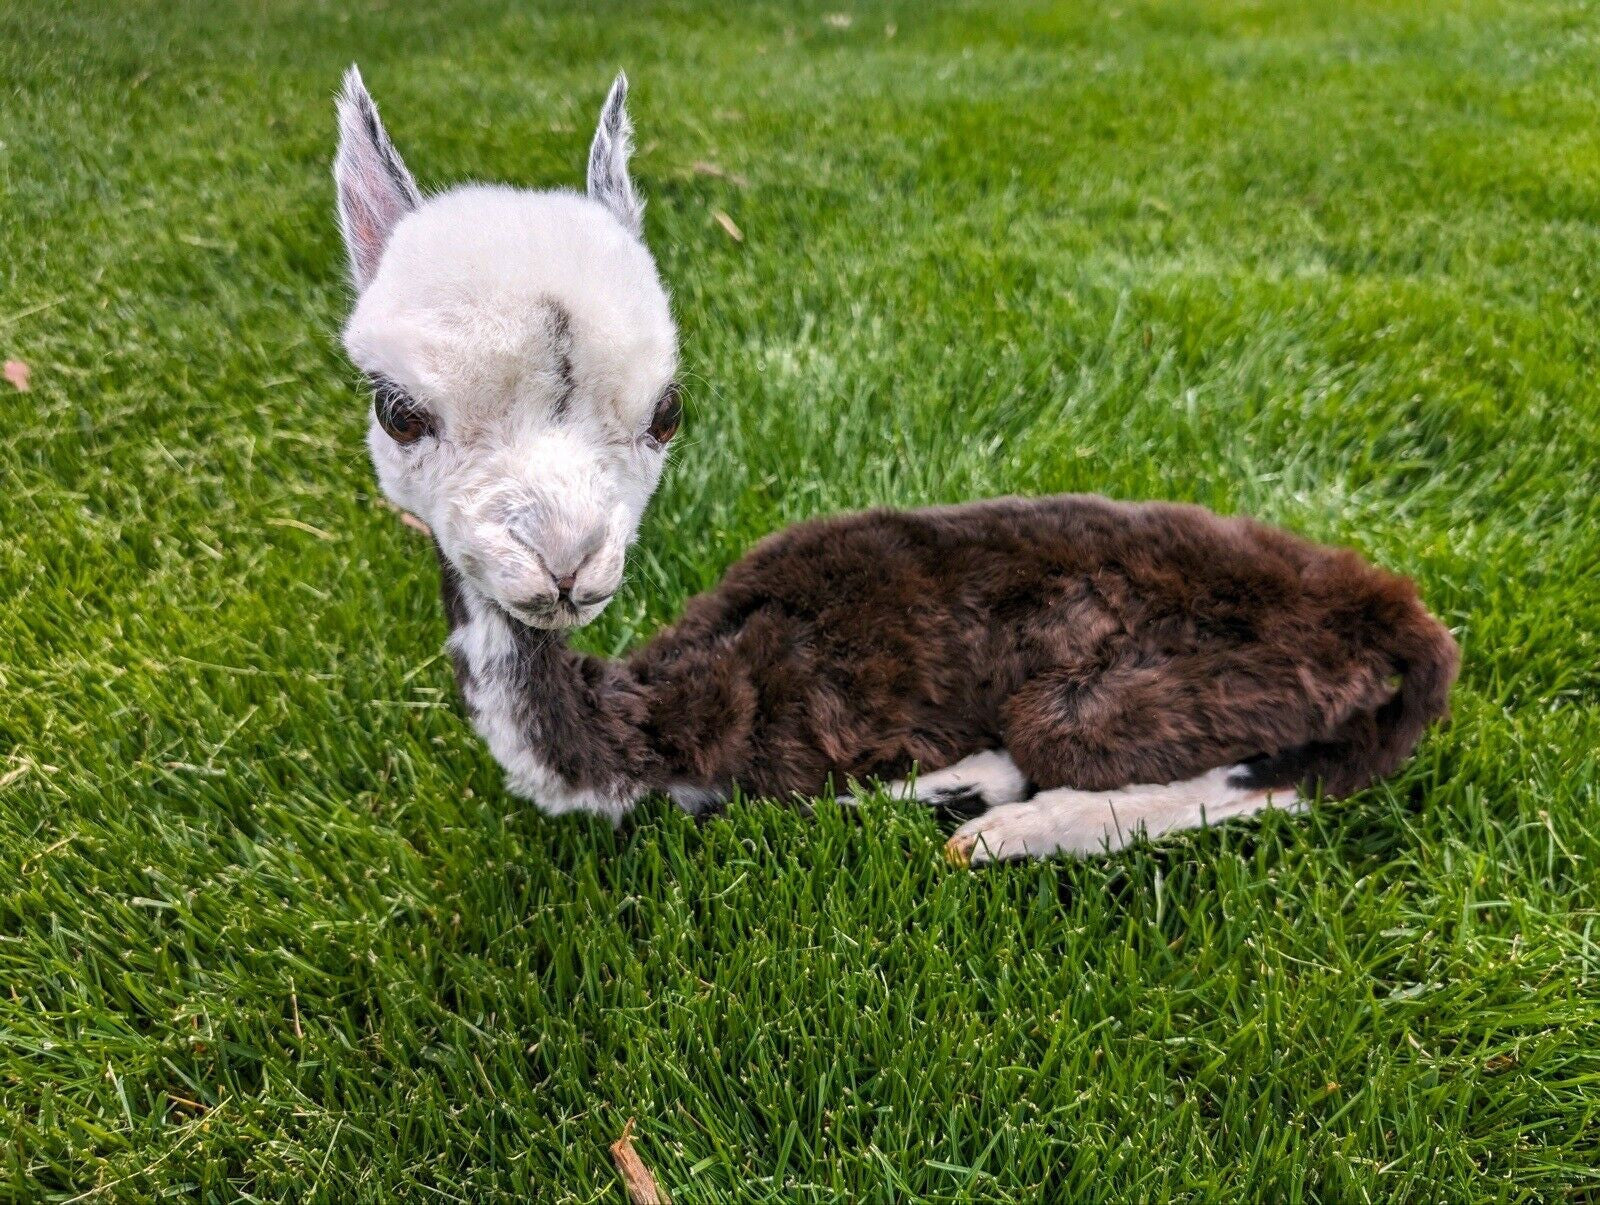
(1100, 643)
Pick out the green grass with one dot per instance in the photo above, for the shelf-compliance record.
(271, 928)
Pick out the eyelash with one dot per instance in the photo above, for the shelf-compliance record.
(667, 418)
(401, 418)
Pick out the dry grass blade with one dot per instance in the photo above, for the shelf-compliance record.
(637, 1179)
(300, 525)
(406, 517)
(704, 167)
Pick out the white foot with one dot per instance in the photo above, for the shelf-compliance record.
(1092, 822)
(990, 778)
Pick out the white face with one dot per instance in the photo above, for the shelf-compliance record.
(522, 354)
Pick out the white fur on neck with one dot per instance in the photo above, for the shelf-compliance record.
(495, 696)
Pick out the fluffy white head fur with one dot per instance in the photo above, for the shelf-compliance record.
(522, 356)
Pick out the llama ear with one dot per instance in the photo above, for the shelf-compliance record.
(608, 160)
(375, 189)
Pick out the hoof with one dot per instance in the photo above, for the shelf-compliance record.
(958, 850)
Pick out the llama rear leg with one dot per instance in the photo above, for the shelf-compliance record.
(1080, 823)
(990, 778)
(1167, 721)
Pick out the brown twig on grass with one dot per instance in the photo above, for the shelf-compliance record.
(406, 517)
(636, 1177)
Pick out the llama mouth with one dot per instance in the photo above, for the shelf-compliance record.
(560, 614)
(554, 617)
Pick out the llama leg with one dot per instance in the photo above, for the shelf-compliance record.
(989, 778)
(1166, 721)
(1091, 822)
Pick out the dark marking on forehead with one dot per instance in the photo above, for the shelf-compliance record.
(560, 323)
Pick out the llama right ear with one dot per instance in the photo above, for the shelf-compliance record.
(609, 182)
(375, 189)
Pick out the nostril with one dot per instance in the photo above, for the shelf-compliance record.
(564, 584)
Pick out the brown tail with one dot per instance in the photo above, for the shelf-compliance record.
(1368, 745)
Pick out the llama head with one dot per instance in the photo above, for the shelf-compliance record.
(521, 354)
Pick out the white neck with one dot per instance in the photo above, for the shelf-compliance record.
(511, 677)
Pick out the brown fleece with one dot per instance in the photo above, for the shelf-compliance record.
(1102, 643)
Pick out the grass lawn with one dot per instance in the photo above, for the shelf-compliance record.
(271, 928)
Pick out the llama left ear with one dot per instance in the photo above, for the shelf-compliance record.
(608, 160)
(375, 189)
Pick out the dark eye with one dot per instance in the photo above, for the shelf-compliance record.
(669, 413)
(402, 419)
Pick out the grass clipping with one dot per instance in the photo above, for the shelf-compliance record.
(636, 1177)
